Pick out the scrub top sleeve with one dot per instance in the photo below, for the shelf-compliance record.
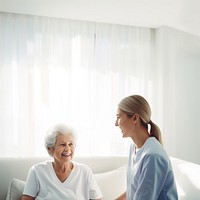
(152, 177)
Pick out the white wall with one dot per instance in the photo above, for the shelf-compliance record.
(178, 55)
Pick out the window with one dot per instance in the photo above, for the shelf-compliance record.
(66, 71)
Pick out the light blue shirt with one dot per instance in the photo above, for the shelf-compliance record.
(150, 175)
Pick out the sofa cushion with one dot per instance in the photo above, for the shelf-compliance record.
(112, 183)
(15, 189)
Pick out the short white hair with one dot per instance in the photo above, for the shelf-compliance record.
(55, 131)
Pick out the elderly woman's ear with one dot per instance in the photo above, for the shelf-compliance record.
(50, 150)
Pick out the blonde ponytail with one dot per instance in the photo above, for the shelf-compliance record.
(155, 132)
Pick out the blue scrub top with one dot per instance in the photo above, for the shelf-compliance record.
(150, 175)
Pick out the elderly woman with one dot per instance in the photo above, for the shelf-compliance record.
(60, 178)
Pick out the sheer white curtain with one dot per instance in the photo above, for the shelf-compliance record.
(74, 72)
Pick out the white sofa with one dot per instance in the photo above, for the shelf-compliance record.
(110, 173)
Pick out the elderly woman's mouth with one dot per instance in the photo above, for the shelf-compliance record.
(66, 154)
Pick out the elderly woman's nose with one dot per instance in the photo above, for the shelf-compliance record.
(67, 147)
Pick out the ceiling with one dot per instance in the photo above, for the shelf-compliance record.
(180, 14)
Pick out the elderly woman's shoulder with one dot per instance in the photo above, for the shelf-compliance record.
(82, 167)
(43, 164)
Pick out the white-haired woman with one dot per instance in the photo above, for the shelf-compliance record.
(60, 178)
(150, 175)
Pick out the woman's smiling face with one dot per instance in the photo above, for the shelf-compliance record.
(63, 150)
(124, 122)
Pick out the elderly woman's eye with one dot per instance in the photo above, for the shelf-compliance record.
(71, 144)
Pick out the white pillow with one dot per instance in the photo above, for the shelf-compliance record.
(112, 183)
(15, 189)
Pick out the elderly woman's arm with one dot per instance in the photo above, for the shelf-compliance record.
(122, 197)
(25, 197)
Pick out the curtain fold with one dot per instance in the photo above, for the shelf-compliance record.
(67, 71)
